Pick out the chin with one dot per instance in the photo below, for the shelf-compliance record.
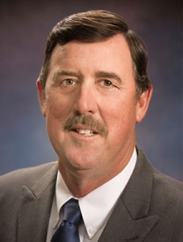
(82, 164)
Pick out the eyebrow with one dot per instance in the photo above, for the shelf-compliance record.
(57, 74)
(110, 75)
(98, 74)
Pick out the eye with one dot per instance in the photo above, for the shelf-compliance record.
(107, 83)
(67, 82)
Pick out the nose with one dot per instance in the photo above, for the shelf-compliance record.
(86, 100)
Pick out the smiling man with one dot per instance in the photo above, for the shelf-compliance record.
(93, 89)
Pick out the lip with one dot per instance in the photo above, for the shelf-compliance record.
(83, 127)
(77, 135)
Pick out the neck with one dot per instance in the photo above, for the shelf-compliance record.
(81, 180)
(81, 183)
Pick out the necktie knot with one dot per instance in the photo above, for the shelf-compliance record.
(72, 213)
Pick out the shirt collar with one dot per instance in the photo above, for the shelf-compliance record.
(97, 206)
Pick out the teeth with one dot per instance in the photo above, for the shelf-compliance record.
(84, 132)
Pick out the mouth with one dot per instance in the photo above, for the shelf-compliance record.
(85, 132)
(85, 126)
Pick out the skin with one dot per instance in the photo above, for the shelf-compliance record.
(95, 80)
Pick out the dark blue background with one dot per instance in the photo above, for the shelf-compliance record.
(24, 26)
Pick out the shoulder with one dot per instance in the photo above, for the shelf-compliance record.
(167, 202)
(160, 180)
(12, 190)
(163, 180)
(165, 198)
(167, 191)
(26, 176)
(11, 184)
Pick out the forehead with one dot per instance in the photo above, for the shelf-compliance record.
(111, 53)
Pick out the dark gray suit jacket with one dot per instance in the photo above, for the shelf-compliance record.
(150, 209)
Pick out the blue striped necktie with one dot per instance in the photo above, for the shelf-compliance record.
(68, 229)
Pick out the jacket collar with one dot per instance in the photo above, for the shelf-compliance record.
(130, 220)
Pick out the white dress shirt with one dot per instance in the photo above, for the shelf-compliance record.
(96, 207)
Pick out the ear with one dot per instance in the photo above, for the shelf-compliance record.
(42, 99)
(143, 104)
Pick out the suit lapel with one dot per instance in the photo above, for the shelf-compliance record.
(123, 228)
(129, 220)
(35, 208)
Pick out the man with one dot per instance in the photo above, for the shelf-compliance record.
(93, 89)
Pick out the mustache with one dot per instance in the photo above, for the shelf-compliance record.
(85, 120)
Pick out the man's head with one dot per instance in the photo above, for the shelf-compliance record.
(93, 89)
(96, 26)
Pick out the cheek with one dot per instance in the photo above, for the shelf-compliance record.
(57, 107)
(120, 118)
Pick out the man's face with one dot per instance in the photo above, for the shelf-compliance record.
(91, 108)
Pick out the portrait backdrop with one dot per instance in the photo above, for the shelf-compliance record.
(24, 26)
